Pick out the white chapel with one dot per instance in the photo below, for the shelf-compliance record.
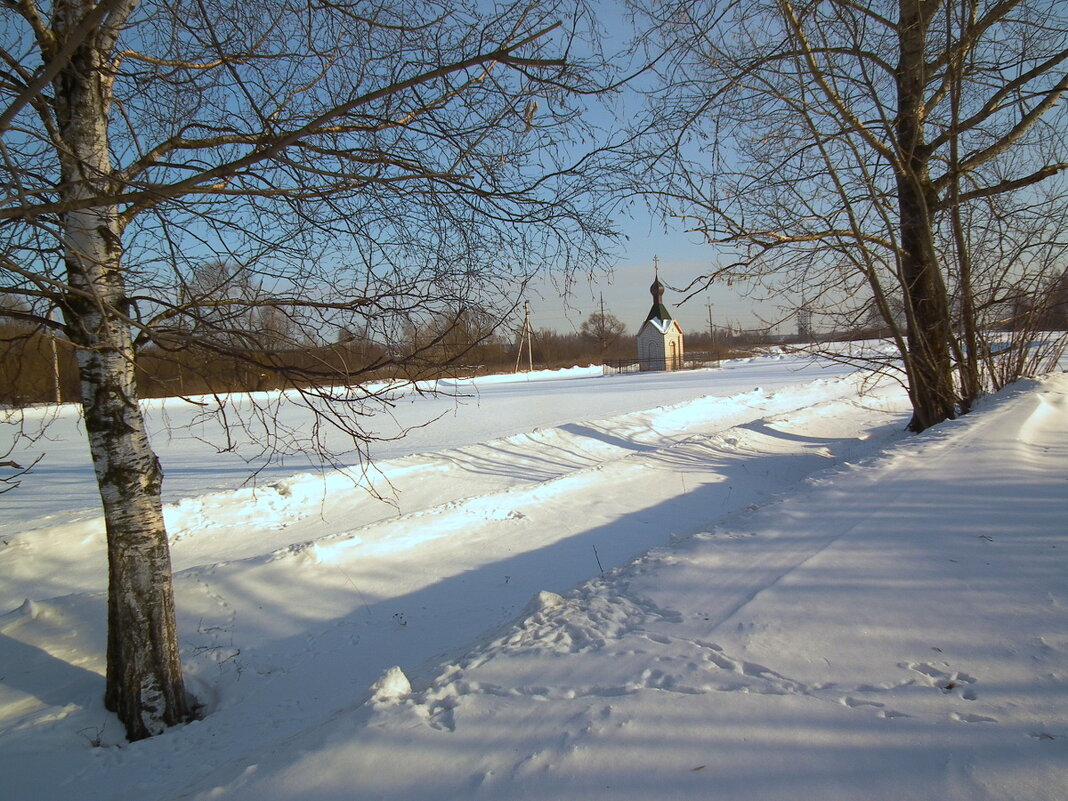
(660, 337)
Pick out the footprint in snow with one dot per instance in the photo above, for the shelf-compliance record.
(963, 718)
(945, 680)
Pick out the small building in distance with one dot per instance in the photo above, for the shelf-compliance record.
(660, 337)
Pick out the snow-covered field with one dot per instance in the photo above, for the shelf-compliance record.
(741, 583)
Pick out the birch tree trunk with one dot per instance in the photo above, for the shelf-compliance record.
(144, 677)
(927, 304)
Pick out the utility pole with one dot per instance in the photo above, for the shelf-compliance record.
(58, 386)
(525, 337)
(602, 333)
(712, 335)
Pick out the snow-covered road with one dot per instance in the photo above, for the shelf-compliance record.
(805, 620)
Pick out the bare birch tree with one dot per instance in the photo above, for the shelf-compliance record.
(851, 154)
(364, 163)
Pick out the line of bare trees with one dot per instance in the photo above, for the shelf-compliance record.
(38, 367)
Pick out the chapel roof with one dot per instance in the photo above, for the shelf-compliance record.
(659, 311)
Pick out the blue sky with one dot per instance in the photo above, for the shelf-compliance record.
(626, 288)
(681, 256)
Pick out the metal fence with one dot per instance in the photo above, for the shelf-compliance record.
(690, 361)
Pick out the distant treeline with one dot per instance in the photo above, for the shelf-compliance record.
(36, 367)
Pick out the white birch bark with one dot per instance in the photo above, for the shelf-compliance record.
(144, 678)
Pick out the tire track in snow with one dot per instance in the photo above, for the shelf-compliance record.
(610, 459)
